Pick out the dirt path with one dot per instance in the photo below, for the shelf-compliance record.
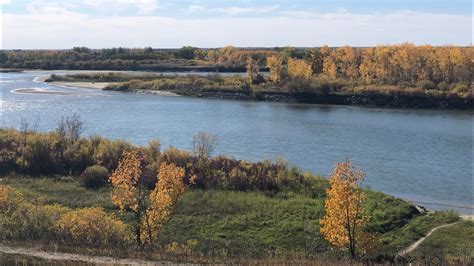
(75, 257)
(419, 241)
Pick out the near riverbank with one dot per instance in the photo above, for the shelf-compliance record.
(235, 210)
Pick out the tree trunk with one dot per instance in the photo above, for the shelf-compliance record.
(137, 228)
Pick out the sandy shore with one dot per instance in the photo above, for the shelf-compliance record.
(467, 217)
(160, 93)
(102, 85)
(40, 91)
(95, 86)
(83, 85)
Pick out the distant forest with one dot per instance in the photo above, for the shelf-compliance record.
(405, 64)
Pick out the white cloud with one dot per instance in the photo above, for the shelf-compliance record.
(59, 28)
(233, 11)
(299, 14)
(143, 6)
(5, 2)
(51, 10)
(195, 8)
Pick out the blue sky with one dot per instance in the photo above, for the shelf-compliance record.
(211, 23)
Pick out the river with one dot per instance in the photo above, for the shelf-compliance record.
(420, 155)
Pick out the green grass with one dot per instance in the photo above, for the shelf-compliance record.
(66, 192)
(249, 224)
(400, 238)
(454, 243)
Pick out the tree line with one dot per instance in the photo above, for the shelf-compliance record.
(431, 66)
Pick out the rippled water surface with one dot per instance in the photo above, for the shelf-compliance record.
(421, 155)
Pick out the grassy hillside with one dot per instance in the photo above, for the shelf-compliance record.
(454, 244)
(235, 225)
(233, 209)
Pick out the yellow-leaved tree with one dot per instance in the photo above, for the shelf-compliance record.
(130, 194)
(275, 64)
(168, 190)
(345, 218)
(298, 68)
(252, 70)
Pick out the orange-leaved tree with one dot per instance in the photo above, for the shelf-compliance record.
(130, 193)
(345, 218)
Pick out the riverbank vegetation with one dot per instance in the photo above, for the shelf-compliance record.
(399, 76)
(232, 210)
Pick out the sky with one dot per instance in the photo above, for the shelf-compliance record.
(62, 24)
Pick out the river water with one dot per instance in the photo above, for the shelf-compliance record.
(420, 155)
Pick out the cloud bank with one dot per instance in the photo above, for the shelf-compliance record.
(57, 28)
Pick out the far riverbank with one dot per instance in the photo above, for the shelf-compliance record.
(234, 87)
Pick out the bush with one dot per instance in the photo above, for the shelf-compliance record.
(94, 177)
(443, 86)
(460, 88)
(22, 220)
(426, 84)
(91, 226)
(9, 199)
(108, 153)
(32, 222)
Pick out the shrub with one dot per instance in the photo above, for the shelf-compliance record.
(31, 222)
(443, 86)
(21, 220)
(9, 199)
(108, 153)
(36, 157)
(91, 226)
(78, 156)
(94, 177)
(460, 88)
(426, 84)
(181, 249)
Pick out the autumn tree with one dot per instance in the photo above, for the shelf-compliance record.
(345, 219)
(203, 144)
(163, 198)
(368, 65)
(275, 64)
(225, 54)
(252, 70)
(329, 65)
(298, 68)
(70, 128)
(130, 193)
(315, 57)
(349, 61)
(286, 53)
